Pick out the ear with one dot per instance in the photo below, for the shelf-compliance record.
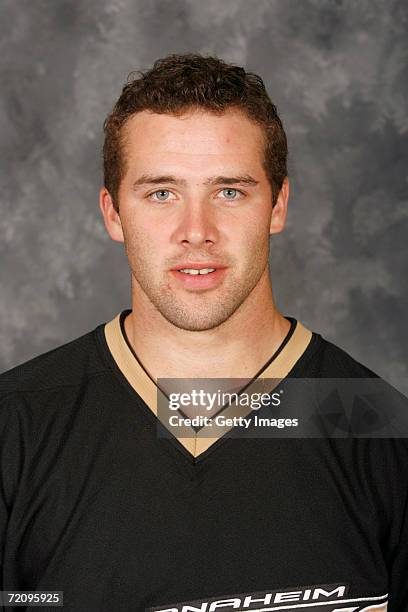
(110, 216)
(279, 211)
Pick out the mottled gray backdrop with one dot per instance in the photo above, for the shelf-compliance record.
(338, 73)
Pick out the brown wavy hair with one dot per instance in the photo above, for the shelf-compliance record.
(180, 82)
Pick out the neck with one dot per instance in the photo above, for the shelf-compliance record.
(238, 348)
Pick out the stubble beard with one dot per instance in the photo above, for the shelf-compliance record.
(198, 311)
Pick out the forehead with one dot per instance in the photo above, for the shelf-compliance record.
(195, 139)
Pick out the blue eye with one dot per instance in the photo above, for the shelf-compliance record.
(161, 192)
(230, 193)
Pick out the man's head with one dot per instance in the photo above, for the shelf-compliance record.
(178, 83)
(193, 187)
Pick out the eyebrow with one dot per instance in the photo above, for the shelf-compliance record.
(150, 179)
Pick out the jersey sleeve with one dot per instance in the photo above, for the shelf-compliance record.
(398, 578)
(11, 460)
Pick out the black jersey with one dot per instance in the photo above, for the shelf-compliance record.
(95, 504)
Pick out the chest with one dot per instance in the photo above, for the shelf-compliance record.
(142, 521)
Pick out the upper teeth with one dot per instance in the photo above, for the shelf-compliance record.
(194, 271)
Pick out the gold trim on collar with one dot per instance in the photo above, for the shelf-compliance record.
(197, 442)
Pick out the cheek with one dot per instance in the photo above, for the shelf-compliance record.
(133, 229)
(144, 245)
(254, 241)
(135, 239)
(254, 231)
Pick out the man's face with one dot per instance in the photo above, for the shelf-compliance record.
(195, 195)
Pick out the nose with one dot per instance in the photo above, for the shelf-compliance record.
(196, 226)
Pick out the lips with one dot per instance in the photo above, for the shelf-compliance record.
(198, 265)
(199, 281)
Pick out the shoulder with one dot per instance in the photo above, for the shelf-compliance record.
(69, 364)
(328, 360)
(361, 399)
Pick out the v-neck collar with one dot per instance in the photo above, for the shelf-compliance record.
(197, 442)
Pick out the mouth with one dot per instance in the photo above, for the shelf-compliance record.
(199, 276)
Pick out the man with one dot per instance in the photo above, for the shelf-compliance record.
(94, 502)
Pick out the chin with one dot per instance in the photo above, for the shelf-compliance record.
(196, 325)
(192, 322)
(199, 314)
